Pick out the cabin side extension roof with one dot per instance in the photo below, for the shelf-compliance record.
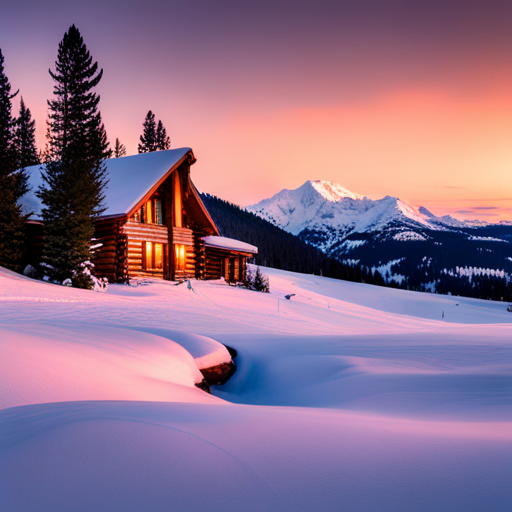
(229, 244)
(131, 179)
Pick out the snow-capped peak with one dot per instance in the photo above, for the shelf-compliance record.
(327, 207)
(331, 191)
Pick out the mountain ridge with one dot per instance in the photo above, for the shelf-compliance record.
(324, 203)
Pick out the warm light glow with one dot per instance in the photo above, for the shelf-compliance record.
(149, 255)
(159, 256)
(181, 255)
(177, 200)
(149, 213)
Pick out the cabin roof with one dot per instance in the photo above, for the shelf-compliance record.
(230, 244)
(130, 178)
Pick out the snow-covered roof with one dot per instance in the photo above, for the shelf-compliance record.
(130, 178)
(221, 242)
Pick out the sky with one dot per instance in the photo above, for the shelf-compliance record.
(408, 99)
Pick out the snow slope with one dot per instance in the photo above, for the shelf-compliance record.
(346, 397)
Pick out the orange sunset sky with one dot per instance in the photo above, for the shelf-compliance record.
(410, 99)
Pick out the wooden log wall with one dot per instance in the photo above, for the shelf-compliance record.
(183, 236)
(199, 251)
(109, 259)
(229, 264)
(137, 233)
(214, 263)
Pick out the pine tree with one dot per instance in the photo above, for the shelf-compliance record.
(119, 149)
(148, 138)
(12, 184)
(163, 142)
(25, 138)
(75, 176)
(154, 137)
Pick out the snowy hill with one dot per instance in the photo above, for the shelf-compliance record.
(348, 396)
(398, 239)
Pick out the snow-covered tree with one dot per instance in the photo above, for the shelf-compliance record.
(75, 176)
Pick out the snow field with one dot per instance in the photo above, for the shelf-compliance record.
(347, 397)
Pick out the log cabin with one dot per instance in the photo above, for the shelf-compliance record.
(154, 224)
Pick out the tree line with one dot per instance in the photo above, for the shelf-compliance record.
(278, 248)
(74, 174)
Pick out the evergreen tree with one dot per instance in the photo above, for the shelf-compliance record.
(75, 176)
(25, 138)
(12, 184)
(154, 137)
(163, 142)
(119, 149)
(148, 142)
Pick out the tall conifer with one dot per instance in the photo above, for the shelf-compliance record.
(12, 184)
(25, 138)
(75, 176)
(148, 137)
(154, 137)
(162, 140)
(119, 149)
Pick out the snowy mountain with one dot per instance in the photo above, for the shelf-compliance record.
(409, 244)
(328, 207)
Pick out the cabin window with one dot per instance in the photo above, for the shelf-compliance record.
(153, 256)
(150, 213)
(149, 255)
(159, 256)
(158, 212)
(180, 256)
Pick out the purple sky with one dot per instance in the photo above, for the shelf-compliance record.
(412, 99)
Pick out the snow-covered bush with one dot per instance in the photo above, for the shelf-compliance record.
(255, 280)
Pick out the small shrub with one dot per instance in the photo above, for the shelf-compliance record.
(256, 280)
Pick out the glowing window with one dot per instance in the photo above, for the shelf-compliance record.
(149, 255)
(181, 256)
(149, 213)
(159, 258)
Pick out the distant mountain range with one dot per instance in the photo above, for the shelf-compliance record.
(409, 246)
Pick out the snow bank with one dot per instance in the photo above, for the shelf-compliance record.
(43, 363)
(206, 351)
